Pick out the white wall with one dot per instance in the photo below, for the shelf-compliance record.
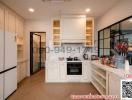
(42, 26)
(120, 11)
(37, 26)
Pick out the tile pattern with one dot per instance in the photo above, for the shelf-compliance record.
(34, 88)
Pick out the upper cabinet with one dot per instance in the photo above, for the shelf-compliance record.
(73, 29)
(9, 22)
(1, 37)
(10, 61)
(56, 33)
(89, 32)
(19, 26)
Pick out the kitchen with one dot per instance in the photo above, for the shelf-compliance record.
(87, 49)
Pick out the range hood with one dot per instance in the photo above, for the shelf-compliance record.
(73, 29)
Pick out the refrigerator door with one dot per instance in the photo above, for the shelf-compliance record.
(1, 38)
(10, 51)
(1, 86)
(10, 82)
(10, 44)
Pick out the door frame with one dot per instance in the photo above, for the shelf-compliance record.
(31, 50)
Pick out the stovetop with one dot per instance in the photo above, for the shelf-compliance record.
(73, 59)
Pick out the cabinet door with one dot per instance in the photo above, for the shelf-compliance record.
(52, 72)
(73, 28)
(1, 38)
(86, 71)
(10, 45)
(10, 82)
(23, 70)
(113, 85)
(19, 26)
(18, 73)
(63, 71)
(1, 86)
(11, 22)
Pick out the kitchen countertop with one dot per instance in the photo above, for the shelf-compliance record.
(66, 61)
(119, 72)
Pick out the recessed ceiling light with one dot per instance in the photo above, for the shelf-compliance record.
(88, 10)
(31, 10)
(130, 20)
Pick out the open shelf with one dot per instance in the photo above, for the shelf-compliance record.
(89, 33)
(99, 71)
(98, 87)
(56, 33)
(100, 74)
(100, 80)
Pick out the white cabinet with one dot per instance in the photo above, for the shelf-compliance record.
(19, 26)
(86, 71)
(1, 38)
(73, 29)
(11, 22)
(10, 82)
(113, 84)
(1, 86)
(56, 71)
(21, 70)
(10, 45)
(63, 71)
(52, 72)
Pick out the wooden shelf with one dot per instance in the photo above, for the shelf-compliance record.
(56, 33)
(56, 28)
(89, 33)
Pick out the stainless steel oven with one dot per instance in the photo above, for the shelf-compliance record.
(74, 68)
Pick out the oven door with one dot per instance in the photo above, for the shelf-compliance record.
(74, 68)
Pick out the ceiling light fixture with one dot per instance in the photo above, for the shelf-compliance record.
(31, 10)
(130, 20)
(88, 10)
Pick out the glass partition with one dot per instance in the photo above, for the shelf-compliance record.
(108, 37)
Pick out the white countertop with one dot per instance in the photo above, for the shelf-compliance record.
(67, 61)
(119, 72)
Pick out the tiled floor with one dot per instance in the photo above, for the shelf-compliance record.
(35, 88)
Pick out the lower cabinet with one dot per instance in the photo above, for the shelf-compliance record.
(63, 71)
(1, 86)
(113, 85)
(21, 71)
(86, 71)
(52, 72)
(56, 71)
(106, 82)
(10, 82)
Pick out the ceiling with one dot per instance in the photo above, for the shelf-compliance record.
(48, 9)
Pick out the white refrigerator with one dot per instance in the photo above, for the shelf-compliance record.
(8, 63)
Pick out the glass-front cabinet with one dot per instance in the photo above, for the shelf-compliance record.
(110, 36)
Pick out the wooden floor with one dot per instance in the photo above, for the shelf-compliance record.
(34, 88)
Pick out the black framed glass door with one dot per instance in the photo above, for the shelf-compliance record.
(35, 52)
